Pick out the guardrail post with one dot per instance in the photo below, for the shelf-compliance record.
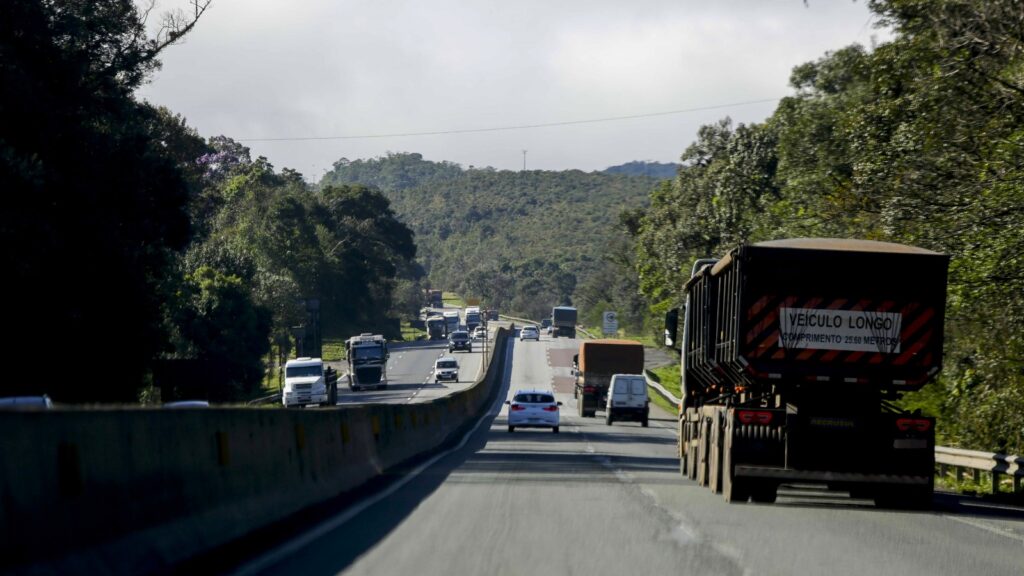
(1016, 484)
(995, 482)
(977, 476)
(959, 474)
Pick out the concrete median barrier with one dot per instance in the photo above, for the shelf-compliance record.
(138, 490)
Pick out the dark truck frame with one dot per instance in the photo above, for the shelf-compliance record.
(793, 352)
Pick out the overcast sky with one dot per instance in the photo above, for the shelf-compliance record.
(254, 69)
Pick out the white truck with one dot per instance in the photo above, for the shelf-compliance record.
(367, 361)
(307, 381)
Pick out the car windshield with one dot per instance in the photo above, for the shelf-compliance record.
(529, 329)
(447, 364)
(303, 371)
(534, 398)
(460, 335)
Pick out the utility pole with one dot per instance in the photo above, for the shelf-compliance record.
(524, 160)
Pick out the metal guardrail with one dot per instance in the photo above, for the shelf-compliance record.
(652, 383)
(957, 459)
(995, 465)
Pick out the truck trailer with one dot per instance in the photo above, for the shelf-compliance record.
(563, 321)
(594, 366)
(793, 353)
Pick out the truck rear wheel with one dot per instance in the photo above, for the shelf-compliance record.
(733, 489)
(764, 492)
(715, 456)
(702, 452)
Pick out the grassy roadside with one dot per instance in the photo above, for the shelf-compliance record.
(409, 333)
(453, 299)
(669, 378)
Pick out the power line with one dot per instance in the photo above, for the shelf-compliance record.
(518, 127)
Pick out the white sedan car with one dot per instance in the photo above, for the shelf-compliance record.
(529, 333)
(533, 409)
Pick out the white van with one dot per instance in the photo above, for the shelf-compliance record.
(627, 399)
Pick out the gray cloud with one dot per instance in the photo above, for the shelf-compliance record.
(269, 69)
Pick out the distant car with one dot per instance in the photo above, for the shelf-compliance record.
(545, 323)
(459, 340)
(529, 333)
(446, 368)
(480, 333)
(26, 403)
(187, 404)
(533, 409)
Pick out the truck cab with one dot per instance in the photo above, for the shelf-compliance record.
(306, 381)
(367, 361)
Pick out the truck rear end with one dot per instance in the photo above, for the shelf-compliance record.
(794, 352)
(596, 363)
(563, 322)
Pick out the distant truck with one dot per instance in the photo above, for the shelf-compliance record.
(367, 361)
(563, 321)
(308, 381)
(793, 352)
(451, 321)
(435, 299)
(594, 366)
(436, 328)
(473, 318)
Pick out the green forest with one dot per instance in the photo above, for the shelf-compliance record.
(135, 250)
(522, 241)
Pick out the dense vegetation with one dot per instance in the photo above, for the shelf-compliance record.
(663, 170)
(133, 247)
(920, 141)
(521, 241)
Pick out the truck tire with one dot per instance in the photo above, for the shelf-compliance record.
(764, 492)
(644, 421)
(733, 488)
(579, 407)
(555, 429)
(511, 428)
(608, 419)
(704, 431)
(715, 455)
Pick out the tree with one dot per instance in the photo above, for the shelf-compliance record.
(96, 196)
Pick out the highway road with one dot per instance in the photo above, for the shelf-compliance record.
(411, 373)
(609, 500)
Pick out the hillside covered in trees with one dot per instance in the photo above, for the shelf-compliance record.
(523, 241)
(132, 244)
(920, 141)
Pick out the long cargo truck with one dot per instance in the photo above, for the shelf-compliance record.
(793, 353)
(594, 366)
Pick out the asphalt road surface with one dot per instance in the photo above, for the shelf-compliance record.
(595, 499)
(411, 373)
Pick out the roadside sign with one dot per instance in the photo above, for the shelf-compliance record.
(610, 323)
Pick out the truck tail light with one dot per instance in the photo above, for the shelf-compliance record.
(913, 424)
(588, 389)
(761, 417)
